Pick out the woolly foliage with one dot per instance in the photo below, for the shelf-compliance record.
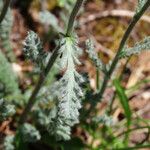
(45, 109)
(6, 110)
(93, 56)
(9, 142)
(7, 77)
(5, 29)
(29, 133)
(70, 93)
(33, 49)
(138, 47)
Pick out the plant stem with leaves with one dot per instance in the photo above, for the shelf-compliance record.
(132, 24)
(52, 60)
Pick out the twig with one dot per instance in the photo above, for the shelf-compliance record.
(4, 10)
(52, 60)
(113, 13)
(133, 129)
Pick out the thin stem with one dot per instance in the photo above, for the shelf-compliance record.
(131, 130)
(51, 62)
(120, 79)
(4, 10)
(73, 16)
(132, 24)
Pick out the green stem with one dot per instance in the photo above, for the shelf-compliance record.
(132, 24)
(4, 10)
(51, 62)
(130, 130)
(120, 79)
(73, 16)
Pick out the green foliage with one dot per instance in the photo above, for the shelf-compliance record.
(94, 57)
(9, 142)
(45, 109)
(69, 89)
(5, 29)
(7, 77)
(6, 110)
(123, 100)
(29, 133)
(33, 49)
(137, 48)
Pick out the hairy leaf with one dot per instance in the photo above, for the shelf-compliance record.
(139, 47)
(33, 49)
(29, 133)
(93, 56)
(70, 93)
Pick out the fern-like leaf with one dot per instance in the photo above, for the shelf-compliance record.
(94, 57)
(139, 47)
(33, 49)
(29, 133)
(70, 93)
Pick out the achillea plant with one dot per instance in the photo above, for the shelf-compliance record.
(29, 133)
(136, 49)
(56, 107)
(70, 92)
(33, 49)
